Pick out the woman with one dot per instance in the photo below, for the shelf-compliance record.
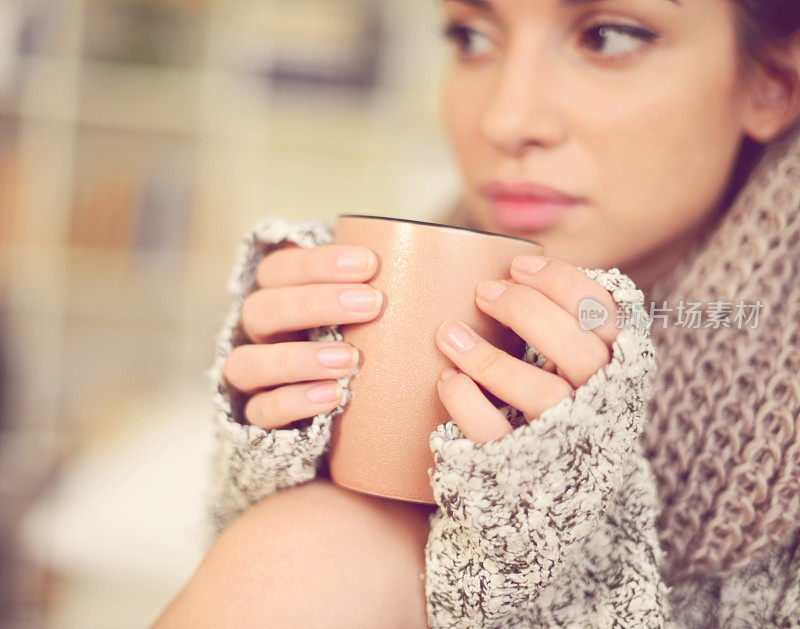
(658, 137)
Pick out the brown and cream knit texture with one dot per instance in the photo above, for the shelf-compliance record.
(722, 435)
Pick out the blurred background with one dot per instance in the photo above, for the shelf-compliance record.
(138, 141)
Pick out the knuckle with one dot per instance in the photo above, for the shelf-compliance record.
(266, 268)
(279, 405)
(307, 261)
(253, 410)
(593, 357)
(284, 308)
(264, 409)
(525, 305)
(285, 361)
(448, 388)
(276, 311)
(491, 361)
(306, 300)
(560, 390)
(251, 315)
(232, 366)
(556, 391)
(263, 270)
(600, 354)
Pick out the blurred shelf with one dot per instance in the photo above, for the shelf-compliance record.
(97, 283)
(114, 285)
(143, 139)
(219, 105)
(51, 88)
(139, 97)
(124, 285)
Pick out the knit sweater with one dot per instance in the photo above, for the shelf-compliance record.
(554, 524)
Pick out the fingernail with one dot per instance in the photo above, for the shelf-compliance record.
(360, 299)
(490, 290)
(324, 392)
(458, 336)
(337, 356)
(528, 264)
(354, 260)
(448, 373)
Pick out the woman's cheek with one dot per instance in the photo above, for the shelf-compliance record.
(460, 117)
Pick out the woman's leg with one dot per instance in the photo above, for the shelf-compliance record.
(315, 555)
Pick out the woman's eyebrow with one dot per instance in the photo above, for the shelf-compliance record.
(486, 5)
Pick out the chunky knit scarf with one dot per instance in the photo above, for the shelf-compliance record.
(722, 432)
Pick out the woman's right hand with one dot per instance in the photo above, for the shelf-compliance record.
(285, 377)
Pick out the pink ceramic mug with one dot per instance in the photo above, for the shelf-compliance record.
(427, 273)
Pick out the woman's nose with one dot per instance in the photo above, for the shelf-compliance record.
(522, 110)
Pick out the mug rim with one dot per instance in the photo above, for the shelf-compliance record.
(411, 220)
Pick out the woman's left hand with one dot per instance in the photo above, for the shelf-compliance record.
(542, 308)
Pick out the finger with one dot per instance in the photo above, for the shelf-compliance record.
(268, 311)
(544, 324)
(283, 405)
(249, 368)
(574, 291)
(292, 265)
(526, 387)
(469, 408)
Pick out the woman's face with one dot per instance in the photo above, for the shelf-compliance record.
(633, 107)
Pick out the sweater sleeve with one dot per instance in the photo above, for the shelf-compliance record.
(766, 592)
(553, 524)
(249, 462)
(763, 593)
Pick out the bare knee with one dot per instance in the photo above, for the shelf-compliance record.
(316, 555)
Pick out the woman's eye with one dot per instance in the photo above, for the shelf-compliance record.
(620, 40)
(468, 41)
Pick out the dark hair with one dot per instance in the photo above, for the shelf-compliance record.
(763, 26)
(772, 18)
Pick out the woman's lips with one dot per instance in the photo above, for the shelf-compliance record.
(525, 205)
(527, 213)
